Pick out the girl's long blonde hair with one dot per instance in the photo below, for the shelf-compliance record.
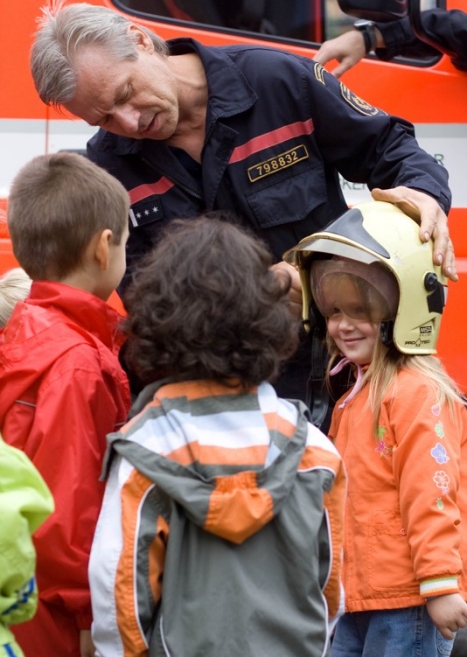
(382, 372)
(14, 286)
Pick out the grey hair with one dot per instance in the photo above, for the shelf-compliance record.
(63, 31)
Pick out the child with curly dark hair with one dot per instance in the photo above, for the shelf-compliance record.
(221, 528)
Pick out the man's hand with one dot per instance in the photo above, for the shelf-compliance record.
(86, 646)
(448, 613)
(295, 292)
(433, 222)
(348, 49)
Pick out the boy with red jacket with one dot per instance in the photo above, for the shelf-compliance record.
(62, 388)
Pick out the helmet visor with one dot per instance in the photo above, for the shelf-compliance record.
(368, 292)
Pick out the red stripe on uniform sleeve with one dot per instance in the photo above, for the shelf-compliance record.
(145, 191)
(271, 139)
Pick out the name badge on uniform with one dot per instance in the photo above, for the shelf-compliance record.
(277, 163)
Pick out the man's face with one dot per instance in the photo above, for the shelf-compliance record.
(133, 98)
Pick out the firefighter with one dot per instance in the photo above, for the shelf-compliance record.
(257, 131)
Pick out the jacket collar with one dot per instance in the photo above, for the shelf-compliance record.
(78, 307)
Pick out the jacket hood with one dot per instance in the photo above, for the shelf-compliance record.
(53, 320)
(228, 458)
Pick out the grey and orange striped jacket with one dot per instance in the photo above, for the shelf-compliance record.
(221, 529)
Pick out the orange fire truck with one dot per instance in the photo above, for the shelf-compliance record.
(429, 92)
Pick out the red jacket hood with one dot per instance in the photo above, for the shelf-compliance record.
(54, 319)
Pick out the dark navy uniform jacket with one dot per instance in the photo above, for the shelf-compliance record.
(279, 129)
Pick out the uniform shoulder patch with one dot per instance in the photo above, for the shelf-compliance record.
(318, 71)
(358, 103)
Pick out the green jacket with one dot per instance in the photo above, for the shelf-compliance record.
(25, 502)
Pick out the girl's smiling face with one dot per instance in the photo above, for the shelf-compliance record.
(349, 319)
(355, 298)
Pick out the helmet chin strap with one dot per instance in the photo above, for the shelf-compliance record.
(316, 323)
(318, 398)
(387, 331)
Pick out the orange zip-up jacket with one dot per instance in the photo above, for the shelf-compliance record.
(406, 511)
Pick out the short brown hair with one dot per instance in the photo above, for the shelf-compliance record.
(57, 203)
(205, 304)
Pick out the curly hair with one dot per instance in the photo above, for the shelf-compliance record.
(205, 304)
